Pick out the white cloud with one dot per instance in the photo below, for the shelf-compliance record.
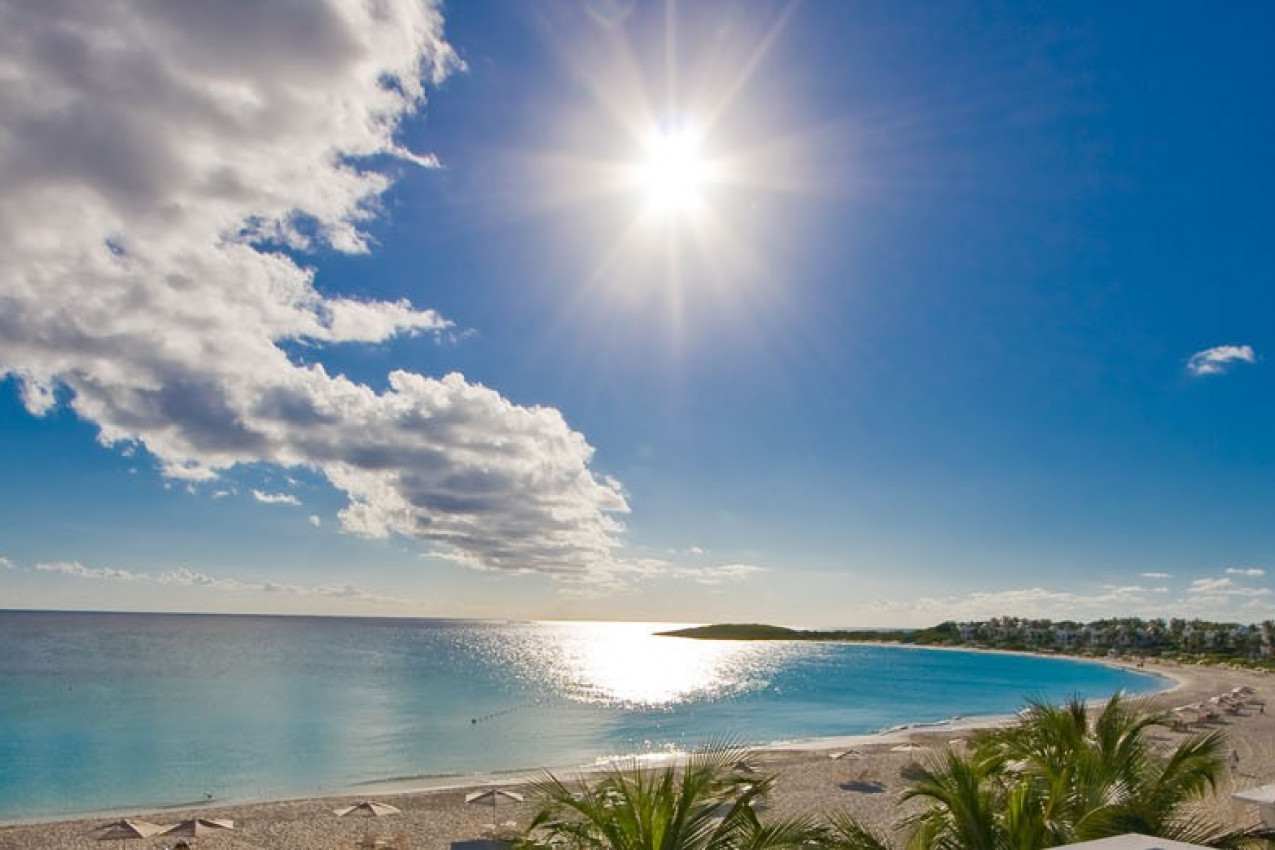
(1210, 585)
(5, 563)
(315, 521)
(151, 154)
(1245, 571)
(718, 573)
(1208, 598)
(184, 577)
(78, 570)
(1219, 587)
(1216, 360)
(275, 498)
(1155, 575)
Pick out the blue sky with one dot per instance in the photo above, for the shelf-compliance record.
(815, 313)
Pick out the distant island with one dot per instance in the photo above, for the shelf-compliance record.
(1183, 640)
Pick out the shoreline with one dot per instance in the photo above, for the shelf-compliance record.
(863, 775)
(425, 783)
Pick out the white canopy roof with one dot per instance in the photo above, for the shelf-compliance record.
(1263, 795)
(1134, 841)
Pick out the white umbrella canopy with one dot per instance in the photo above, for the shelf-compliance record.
(129, 828)
(200, 826)
(368, 807)
(909, 748)
(493, 796)
(845, 754)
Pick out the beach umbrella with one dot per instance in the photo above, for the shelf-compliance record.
(1246, 694)
(1183, 714)
(129, 828)
(367, 807)
(493, 795)
(909, 748)
(1264, 798)
(847, 754)
(200, 826)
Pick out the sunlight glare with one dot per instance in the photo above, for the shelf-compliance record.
(674, 170)
(627, 664)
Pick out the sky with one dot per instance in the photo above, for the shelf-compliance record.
(822, 313)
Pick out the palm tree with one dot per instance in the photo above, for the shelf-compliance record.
(1061, 775)
(704, 805)
(1099, 774)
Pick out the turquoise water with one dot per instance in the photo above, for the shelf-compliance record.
(134, 711)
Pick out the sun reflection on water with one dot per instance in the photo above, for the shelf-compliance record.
(628, 663)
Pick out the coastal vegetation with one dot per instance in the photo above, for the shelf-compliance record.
(705, 805)
(1060, 775)
(1249, 645)
(1063, 774)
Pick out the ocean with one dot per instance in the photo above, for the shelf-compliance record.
(111, 712)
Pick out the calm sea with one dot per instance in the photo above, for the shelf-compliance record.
(134, 711)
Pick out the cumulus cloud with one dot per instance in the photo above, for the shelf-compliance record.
(1245, 571)
(156, 159)
(315, 521)
(1216, 360)
(275, 498)
(1155, 575)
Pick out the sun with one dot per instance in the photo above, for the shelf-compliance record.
(673, 171)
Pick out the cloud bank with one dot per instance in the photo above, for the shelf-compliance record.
(1220, 358)
(184, 577)
(1218, 597)
(156, 158)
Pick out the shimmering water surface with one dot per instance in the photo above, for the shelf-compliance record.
(123, 711)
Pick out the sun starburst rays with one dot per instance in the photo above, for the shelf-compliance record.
(668, 172)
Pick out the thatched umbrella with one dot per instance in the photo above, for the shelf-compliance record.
(367, 807)
(909, 748)
(200, 826)
(128, 828)
(845, 754)
(493, 796)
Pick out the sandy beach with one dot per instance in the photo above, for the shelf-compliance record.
(862, 775)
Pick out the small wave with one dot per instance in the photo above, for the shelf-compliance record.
(928, 724)
(414, 777)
